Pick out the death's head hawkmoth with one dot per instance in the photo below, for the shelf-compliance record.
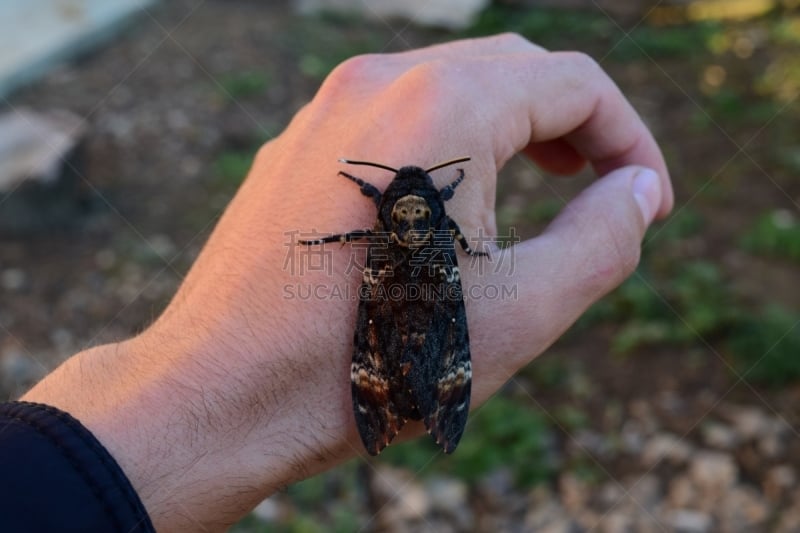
(411, 358)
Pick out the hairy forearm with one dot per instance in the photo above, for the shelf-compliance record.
(201, 442)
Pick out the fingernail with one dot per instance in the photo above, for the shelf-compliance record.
(647, 191)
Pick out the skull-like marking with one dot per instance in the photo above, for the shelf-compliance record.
(412, 221)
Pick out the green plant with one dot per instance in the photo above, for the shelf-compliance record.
(775, 234)
(693, 301)
(664, 42)
(309, 491)
(544, 210)
(543, 26)
(243, 84)
(231, 167)
(549, 371)
(683, 224)
(766, 347)
(570, 417)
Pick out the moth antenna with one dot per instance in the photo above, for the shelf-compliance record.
(367, 163)
(448, 163)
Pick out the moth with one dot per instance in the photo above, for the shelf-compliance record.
(411, 358)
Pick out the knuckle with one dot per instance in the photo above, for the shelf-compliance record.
(355, 67)
(581, 69)
(513, 39)
(428, 84)
(429, 74)
(350, 71)
(582, 61)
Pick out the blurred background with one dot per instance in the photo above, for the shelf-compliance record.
(672, 405)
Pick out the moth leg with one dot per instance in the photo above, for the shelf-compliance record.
(367, 189)
(447, 192)
(455, 231)
(343, 238)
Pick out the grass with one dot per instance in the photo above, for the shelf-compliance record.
(683, 224)
(695, 305)
(647, 42)
(231, 167)
(577, 29)
(766, 347)
(239, 85)
(543, 26)
(775, 234)
(690, 302)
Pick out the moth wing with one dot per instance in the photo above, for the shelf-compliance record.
(453, 372)
(378, 417)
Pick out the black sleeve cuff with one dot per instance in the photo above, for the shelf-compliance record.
(56, 476)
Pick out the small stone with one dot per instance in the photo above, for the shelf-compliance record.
(544, 513)
(682, 492)
(749, 422)
(742, 510)
(559, 525)
(611, 493)
(449, 497)
(63, 339)
(644, 491)
(789, 521)
(593, 442)
(642, 411)
(689, 521)
(409, 500)
(647, 523)
(720, 436)
(587, 519)
(778, 481)
(13, 279)
(497, 485)
(715, 471)
(162, 246)
(573, 491)
(617, 521)
(771, 445)
(105, 259)
(671, 402)
(632, 436)
(665, 446)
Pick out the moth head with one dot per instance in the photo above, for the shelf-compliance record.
(411, 221)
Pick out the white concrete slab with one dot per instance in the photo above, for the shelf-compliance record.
(35, 35)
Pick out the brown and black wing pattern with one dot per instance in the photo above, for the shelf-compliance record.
(374, 380)
(450, 342)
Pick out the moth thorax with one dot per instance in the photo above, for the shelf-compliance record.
(411, 217)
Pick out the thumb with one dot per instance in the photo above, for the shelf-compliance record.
(549, 281)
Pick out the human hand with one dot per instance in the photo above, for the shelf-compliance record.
(237, 390)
